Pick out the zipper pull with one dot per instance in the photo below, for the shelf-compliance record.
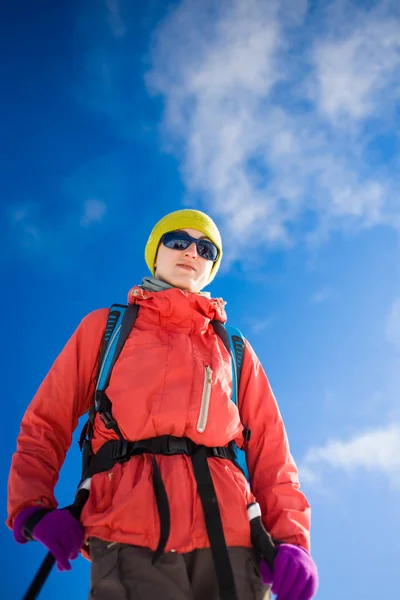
(205, 400)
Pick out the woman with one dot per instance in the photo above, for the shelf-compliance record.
(171, 381)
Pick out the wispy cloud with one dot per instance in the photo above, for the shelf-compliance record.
(115, 18)
(393, 324)
(32, 231)
(356, 69)
(24, 226)
(377, 450)
(94, 211)
(261, 324)
(252, 105)
(321, 295)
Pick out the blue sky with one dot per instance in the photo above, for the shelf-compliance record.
(281, 120)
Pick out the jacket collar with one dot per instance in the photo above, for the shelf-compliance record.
(175, 300)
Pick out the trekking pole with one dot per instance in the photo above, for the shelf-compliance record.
(49, 561)
(260, 537)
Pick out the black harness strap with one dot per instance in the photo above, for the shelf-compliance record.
(118, 451)
(163, 511)
(115, 451)
(212, 517)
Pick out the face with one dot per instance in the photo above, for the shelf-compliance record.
(184, 269)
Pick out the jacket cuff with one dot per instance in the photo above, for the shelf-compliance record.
(19, 522)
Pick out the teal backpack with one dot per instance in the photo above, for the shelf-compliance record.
(120, 322)
(121, 319)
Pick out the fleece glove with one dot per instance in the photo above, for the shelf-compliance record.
(57, 530)
(294, 575)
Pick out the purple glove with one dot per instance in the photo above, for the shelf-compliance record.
(58, 530)
(295, 575)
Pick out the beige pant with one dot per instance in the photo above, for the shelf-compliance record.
(124, 572)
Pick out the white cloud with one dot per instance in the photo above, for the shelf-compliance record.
(321, 295)
(249, 106)
(25, 229)
(308, 475)
(377, 450)
(355, 71)
(393, 324)
(115, 18)
(19, 215)
(261, 325)
(94, 211)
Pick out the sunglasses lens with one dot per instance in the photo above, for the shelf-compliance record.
(176, 241)
(207, 250)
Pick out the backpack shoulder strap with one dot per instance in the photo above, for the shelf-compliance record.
(234, 342)
(237, 345)
(120, 322)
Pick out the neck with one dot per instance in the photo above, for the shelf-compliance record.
(152, 284)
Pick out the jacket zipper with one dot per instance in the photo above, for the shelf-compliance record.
(205, 400)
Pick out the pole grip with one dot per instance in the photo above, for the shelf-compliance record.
(260, 537)
(49, 561)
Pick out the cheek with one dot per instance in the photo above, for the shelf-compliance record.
(207, 270)
(164, 259)
(159, 257)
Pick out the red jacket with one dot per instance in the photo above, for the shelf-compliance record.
(173, 376)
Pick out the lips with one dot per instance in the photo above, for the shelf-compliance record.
(186, 266)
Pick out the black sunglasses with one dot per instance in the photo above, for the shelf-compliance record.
(180, 240)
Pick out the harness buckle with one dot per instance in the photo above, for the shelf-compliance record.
(119, 450)
(172, 445)
(246, 434)
(175, 445)
(216, 451)
(222, 452)
(108, 420)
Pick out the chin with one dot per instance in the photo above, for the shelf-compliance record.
(181, 281)
(184, 285)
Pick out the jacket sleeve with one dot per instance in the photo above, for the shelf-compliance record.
(49, 421)
(273, 472)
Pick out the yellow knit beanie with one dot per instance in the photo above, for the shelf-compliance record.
(183, 219)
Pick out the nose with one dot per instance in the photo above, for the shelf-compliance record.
(191, 250)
